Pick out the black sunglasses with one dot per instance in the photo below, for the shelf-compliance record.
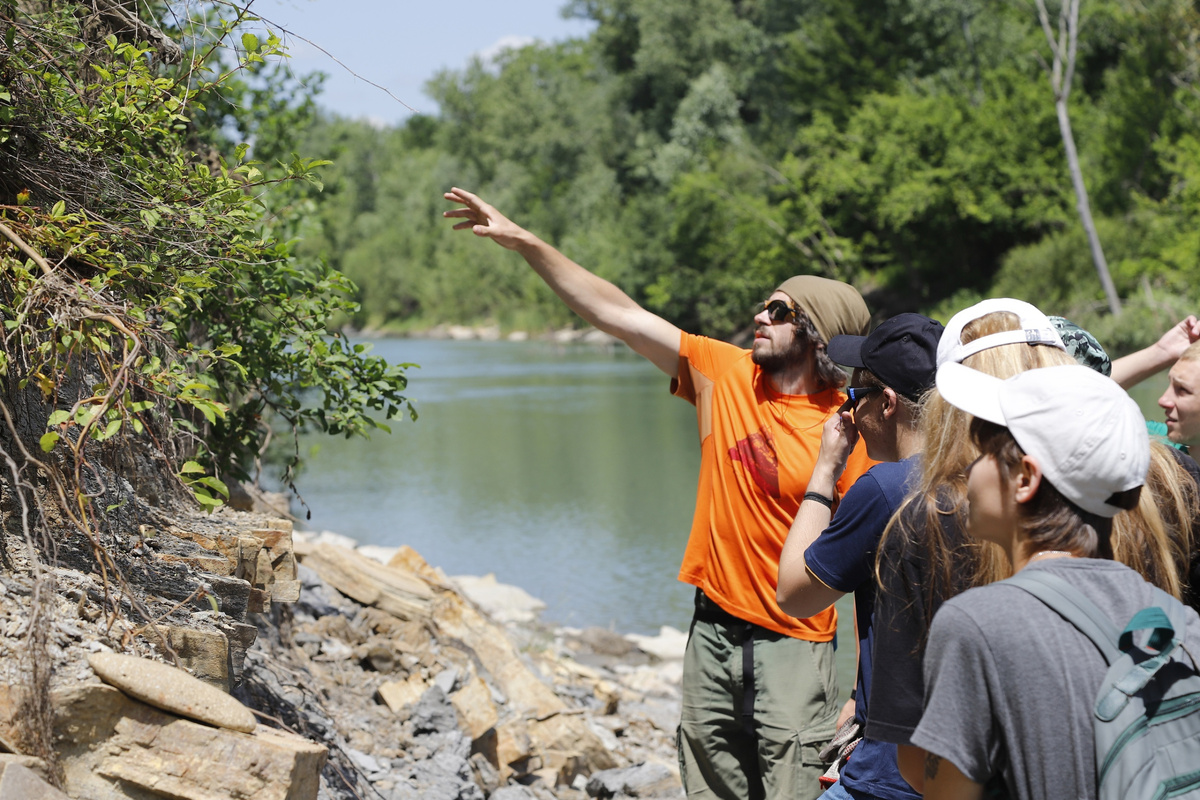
(777, 310)
(859, 392)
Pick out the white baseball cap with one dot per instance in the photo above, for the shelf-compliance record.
(1086, 433)
(1036, 328)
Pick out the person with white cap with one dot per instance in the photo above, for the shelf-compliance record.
(925, 556)
(759, 686)
(1011, 683)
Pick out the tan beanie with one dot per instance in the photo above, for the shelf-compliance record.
(835, 308)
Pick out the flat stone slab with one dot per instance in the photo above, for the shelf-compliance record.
(668, 645)
(172, 690)
(20, 783)
(505, 603)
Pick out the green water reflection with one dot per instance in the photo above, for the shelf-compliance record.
(569, 471)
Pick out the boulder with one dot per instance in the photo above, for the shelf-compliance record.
(514, 748)
(172, 690)
(499, 656)
(204, 653)
(398, 694)
(477, 713)
(668, 645)
(502, 602)
(36, 765)
(396, 591)
(18, 782)
(643, 780)
(111, 745)
(434, 713)
(569, 747)
(606, 642)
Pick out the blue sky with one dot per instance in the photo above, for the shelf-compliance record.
(400, 44)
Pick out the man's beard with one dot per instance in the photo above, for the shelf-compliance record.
(779, 360)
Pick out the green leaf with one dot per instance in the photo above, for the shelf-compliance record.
(190, 467)
(48, 441)
(58, 418)
(207, 500)
(110, 430)
(250, 42)
(216, 484)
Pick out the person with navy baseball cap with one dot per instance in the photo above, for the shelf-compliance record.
(828, 553)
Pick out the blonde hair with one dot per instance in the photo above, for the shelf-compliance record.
(948, 450)
(1155, 539)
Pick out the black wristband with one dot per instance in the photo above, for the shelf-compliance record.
(820, 498)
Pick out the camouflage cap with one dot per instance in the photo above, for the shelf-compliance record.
(1082, 346)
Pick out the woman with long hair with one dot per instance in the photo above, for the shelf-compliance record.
(1014, 669)
(925, 557)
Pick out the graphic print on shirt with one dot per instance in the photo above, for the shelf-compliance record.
(757, 454)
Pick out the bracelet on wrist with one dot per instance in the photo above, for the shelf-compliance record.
(819, 498)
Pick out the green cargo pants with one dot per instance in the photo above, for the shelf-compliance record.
(734, 749)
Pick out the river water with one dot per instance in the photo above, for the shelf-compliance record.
(569, 471)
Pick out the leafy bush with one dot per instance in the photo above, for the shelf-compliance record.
(151, 307)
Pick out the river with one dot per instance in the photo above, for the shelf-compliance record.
(569, 471)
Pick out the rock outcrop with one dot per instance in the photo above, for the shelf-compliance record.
(353, 673)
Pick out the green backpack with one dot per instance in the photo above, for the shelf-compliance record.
(1147, 713)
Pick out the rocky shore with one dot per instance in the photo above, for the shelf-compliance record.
(369, 674)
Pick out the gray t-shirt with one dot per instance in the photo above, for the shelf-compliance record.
(1010, 685)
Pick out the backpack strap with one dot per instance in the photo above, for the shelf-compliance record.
(1070, 604)
(1081, 612)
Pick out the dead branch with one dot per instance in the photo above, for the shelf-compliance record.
(168, 50)
(12, 236)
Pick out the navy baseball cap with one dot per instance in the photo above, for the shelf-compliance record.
(901, 352)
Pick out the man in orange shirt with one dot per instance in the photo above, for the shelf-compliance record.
(759, 687)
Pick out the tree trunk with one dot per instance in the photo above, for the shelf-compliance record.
(1085, 209)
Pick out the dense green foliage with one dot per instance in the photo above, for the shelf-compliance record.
(699, 152)
(153, 308)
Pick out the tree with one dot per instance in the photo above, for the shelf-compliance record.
(1063, 46)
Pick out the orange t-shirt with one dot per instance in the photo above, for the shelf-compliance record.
(757, 451)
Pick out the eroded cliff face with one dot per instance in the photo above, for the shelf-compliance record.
(365, 678)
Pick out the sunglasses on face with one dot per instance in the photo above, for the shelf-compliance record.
(777, 310)
(858, 393)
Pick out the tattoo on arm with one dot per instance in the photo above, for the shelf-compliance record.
(932, 763)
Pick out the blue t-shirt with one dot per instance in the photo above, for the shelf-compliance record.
(843, 558)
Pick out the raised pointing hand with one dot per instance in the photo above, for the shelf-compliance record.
(483, 219)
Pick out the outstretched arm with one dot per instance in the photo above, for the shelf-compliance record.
(1134, 368)
(596, 300)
